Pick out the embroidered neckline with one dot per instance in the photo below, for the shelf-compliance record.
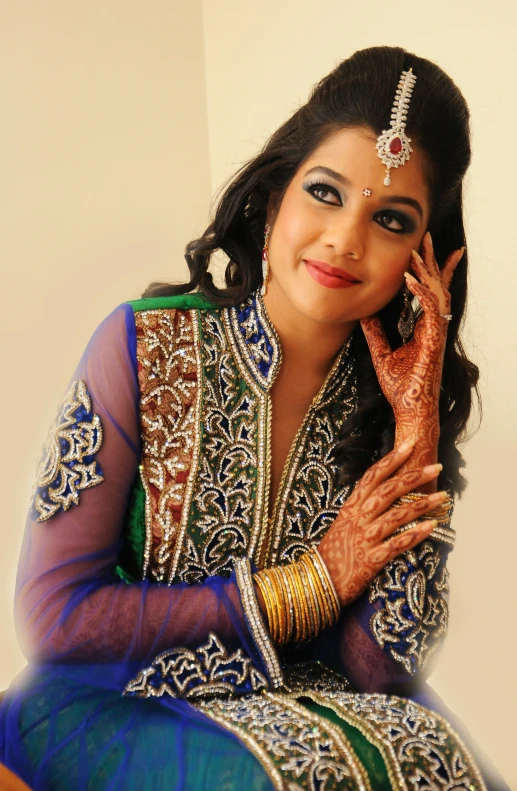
(260, 350)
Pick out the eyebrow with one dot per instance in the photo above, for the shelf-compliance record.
(404, 199)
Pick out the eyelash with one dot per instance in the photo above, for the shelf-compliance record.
(407, 225)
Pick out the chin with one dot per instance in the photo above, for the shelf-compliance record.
(326, 308)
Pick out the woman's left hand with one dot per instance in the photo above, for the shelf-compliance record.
(410, 376)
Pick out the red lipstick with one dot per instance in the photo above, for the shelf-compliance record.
(329, 276)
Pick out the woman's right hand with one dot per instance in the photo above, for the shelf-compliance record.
(358, 545)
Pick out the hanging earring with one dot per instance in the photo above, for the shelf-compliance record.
(406, 323)
(265, 261)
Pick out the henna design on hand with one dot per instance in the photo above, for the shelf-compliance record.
(360, 543)
(410, 377)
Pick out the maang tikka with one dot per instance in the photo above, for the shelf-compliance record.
(265, 261)
(393, 144)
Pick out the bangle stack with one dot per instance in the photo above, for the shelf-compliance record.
(300, 598)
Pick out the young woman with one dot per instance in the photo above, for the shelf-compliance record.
(234, 569)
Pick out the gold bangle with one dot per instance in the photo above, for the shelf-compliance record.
(327, 579)
(326, 616)
(312, 599)
(269, 605)
(307, 628)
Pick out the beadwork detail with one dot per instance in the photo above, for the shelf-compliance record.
(412, 592)
(419, 747)
(309, 496)
(68, 464)
(206, 672)
(298, 749)
(168, 366)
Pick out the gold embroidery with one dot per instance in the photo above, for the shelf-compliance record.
(419, 747)
(298, 749)
(168, 356)
(414, 613)
(68, 464)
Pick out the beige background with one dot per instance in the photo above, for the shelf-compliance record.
(119, 122)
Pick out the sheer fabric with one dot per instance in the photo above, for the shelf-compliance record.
(70, 603)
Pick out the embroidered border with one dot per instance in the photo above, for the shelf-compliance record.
(259, 633)
(68, 464)
(168, 369)
(206, 672)
(298, 749)
(309, 498)
(419, 747)
(412, 591)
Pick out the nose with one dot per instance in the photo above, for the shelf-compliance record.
(345, 235)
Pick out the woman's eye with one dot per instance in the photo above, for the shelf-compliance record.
(322, 192)
(400, 225)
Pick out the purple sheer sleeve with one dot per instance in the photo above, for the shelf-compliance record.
(384, 640)
(70, 605)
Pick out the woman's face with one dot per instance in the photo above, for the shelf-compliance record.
(325, 227)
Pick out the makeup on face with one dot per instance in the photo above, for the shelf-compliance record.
(330, 276)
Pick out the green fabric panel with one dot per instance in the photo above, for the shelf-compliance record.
(369, 755)
(180, 302)
(131, 558)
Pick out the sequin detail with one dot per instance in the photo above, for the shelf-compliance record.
(419, 748)
(206, 672)
(261, 637)
(68, 464)
(168, 369)
(412, 591)
(298, 749)
(309, 497)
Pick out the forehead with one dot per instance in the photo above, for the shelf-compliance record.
(352, 153)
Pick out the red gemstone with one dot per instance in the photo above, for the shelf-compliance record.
(396, 145)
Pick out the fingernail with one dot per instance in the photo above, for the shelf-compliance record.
(438, 497)
(461, 256)
(416, 255)
(432, 468)
(406, 446)
(429, 525)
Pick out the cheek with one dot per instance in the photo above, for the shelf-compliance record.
(292, 230)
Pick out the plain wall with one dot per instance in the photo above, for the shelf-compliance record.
(119, 122)
(105, 176)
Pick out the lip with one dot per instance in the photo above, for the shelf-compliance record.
(329, 276)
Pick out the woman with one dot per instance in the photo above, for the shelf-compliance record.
(234, 569)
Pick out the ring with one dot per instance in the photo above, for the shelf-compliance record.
(447, 316)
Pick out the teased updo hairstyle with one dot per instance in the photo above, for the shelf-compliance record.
(358, 93)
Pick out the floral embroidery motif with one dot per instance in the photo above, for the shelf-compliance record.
(256, 340)
(168, 366)
(298, 749)
(412, 591)
(224, 500)
(419, 748)
(310, 497)
(206, 672)
(68, 464)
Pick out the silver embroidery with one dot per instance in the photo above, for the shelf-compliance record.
(414, 614)
(206, 672)
(68, 464)
(300, 750)
(420, 749)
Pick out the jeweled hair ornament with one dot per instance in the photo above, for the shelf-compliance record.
(393, 144)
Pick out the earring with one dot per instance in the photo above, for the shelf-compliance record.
(406, 323)
(265, 261)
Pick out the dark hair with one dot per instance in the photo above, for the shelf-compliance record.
(359, 92)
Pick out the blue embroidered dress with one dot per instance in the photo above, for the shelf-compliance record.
(150, 664)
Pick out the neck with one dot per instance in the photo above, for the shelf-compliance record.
(304, 340)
